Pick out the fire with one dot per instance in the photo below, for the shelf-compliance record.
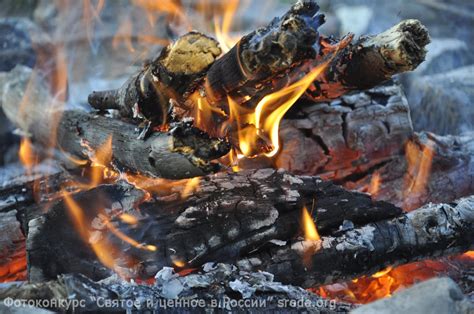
(271, 109)
(374, 184)
(382, 284)
(26, 154)
(222, 31)
(100, 159)
(419, 167)
(104, 251)
(309, 228)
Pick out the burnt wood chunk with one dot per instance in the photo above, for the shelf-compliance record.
(228, 216)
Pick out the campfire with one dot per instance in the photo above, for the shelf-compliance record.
(185, 155)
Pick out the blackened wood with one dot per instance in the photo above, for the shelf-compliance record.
(230, 215)
(430, 231)
(260, 55)
(182, 152)
(346, 137)
(147, 94)
(372, 60)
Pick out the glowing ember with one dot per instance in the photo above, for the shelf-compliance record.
(382, 284)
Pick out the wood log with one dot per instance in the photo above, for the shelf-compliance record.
(269, 58)
(372, 60)
(229, 215)
(147, 94)
(182, 152)
(430, 231)
(344, 138)
(253, 219)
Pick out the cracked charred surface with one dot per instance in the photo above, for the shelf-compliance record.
(430, 231)
(346, 137)
(231, 215)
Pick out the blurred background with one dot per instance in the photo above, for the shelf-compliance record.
(86, 45)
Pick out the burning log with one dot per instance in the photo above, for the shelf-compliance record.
(430, 231)
(147, 94)
(229, 215)
(182, 152)
(372, 60)
(254, 219)
(433, 169)
(272, 57)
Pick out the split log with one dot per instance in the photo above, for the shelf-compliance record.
(229, 215)
(216, 287)
(182, 152)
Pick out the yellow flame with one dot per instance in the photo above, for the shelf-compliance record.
(382, 272)
(418, 171)
(309, 228)
(101, 158)
(190, 187)
(222, 31)
(129, 219)
(271, 109)
(126, 238)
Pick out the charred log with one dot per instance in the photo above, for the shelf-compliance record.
(433, 169)
(228, 216)
(147, 94)
(372, 60)
(182, 152)
(430, 231)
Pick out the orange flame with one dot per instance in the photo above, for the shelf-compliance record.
(382, 284)
(309, 228)
(418, 172)
(374, 184)
(271, 109)
(104, 251)
(27, 155)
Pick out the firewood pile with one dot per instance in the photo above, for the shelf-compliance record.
(281, 170)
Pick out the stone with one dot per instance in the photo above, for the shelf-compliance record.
(439, 295)
(442, 103)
